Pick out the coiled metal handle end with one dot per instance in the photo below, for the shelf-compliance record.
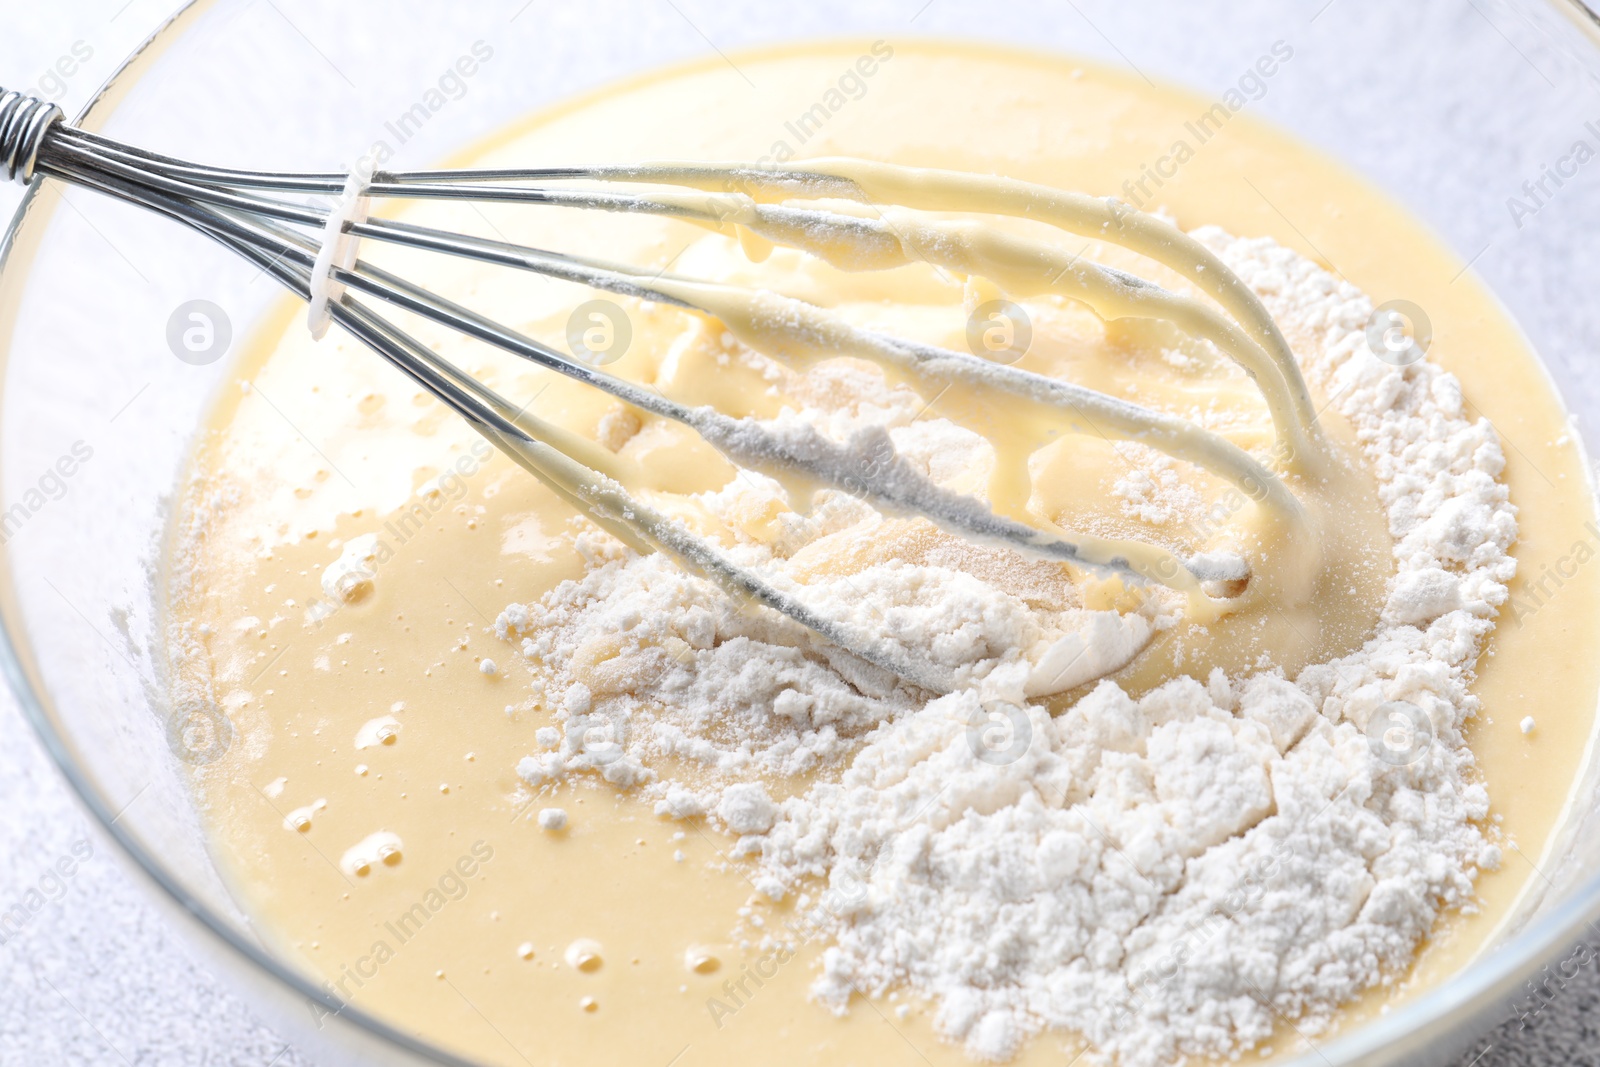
(24, 121)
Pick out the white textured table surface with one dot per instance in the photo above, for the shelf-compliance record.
(96, 977)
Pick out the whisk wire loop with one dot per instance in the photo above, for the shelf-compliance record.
(312, 252)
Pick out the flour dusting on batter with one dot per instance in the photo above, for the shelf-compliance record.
(1167, 875)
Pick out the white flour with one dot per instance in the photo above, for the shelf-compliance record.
(1165, 877)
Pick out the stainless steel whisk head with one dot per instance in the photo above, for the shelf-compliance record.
(856, 214)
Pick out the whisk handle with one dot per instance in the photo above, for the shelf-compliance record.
(24, 122)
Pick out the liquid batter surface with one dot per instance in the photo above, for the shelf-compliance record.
(370, 809)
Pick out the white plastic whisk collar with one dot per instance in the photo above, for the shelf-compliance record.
(338, 246)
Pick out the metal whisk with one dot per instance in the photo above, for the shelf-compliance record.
(856, 214)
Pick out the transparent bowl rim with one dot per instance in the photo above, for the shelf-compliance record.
(1423, 1025)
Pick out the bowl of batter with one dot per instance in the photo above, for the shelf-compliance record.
(441, 770)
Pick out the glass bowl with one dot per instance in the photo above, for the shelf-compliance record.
(1451, 107)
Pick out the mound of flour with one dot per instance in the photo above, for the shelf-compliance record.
(1167, 876)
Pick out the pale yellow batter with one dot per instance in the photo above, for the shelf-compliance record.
(470, 925)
